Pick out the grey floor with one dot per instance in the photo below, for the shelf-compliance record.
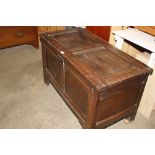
(26, 102)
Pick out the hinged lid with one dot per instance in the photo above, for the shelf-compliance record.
(100, 63)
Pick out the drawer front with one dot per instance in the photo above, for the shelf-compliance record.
(16, 35)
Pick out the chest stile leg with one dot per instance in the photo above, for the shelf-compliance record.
(133, 115)
(44, 65)
(92, 105)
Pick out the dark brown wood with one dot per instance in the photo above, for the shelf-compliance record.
(18, 35)
(101, 31)
(99, 83)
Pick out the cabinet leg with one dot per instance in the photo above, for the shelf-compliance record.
(35, 44)
(46, 79)
(130, 118)
(90, 121)
(47, 82)
(133, 116)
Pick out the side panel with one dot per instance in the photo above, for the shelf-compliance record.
(118, 101)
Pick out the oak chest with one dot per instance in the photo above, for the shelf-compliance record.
(99, 83)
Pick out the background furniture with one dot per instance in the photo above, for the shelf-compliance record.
(148, 29)
(18, 35)
(101, 31)
(139, 38)
(49, 28)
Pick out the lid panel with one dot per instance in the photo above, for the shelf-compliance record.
(107, 65)
(75, 40)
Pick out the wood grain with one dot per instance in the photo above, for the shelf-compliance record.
(49, 28)
(18, 35)
(147, 29)
(101, 31)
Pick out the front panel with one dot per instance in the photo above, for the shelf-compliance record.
(76, 91)
(54, 67)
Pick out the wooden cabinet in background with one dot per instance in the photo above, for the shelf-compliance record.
(101, 31)
(49, 28)
(18, 35)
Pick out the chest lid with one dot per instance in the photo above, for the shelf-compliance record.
(75, 40)
(99, 62)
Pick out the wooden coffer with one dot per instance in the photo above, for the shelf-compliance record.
(18, 35)
(99, 83)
